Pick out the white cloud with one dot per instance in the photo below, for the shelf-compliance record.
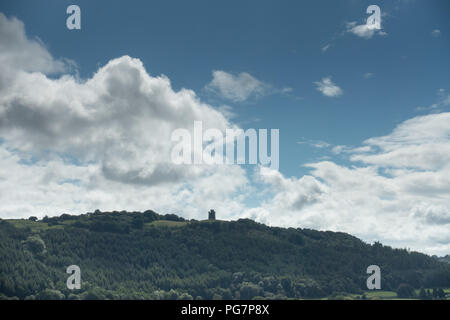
(350, 150)
(363, 30)
(16, 51)
(104, 118)
(435, 33)
(243, 87)
(328, 88)
(325, 48)
(286, 90)
(314, 143)
(367, 75)
(432, 214)
(442, 102)
(237, 88)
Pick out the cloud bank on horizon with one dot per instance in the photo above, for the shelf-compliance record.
(74, 145)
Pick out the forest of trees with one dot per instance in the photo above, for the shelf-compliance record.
(144, 255)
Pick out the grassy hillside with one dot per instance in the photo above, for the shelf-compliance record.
(136, 255)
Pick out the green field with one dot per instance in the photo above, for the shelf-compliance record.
(166, 223)
(170, 223)
(380, 295)
(34, 226)
(39, 226)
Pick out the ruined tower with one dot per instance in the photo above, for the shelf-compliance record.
(211, 215)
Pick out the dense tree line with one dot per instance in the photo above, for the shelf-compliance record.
(126, 255)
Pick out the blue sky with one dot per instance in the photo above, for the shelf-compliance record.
(278, 43)
(384, 79)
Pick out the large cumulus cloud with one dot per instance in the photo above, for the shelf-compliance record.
(103, 141)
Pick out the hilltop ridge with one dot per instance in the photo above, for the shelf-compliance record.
(145, 255)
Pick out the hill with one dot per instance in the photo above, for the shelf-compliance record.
(144, 255)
